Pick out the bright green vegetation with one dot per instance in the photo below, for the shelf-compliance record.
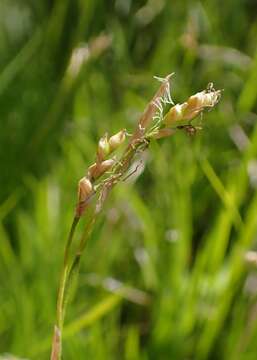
(176, 238)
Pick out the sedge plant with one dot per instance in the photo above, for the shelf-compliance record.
(108, 170)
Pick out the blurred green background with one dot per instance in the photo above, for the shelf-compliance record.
(167, 273)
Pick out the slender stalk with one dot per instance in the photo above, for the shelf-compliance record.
(56, 345)
(74, 267)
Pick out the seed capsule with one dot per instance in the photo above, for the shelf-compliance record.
(103, 148)
(105, 166)
(196, 103)
(175, 114)
(98, 169)
(116, 140)
(84, 189)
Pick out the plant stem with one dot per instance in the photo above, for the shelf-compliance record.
(57, 345)
(139, 142)
(74, 267)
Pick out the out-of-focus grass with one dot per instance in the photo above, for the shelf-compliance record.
(180, 232)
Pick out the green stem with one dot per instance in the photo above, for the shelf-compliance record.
(64, 274)
(57, 346)
(74, 268)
